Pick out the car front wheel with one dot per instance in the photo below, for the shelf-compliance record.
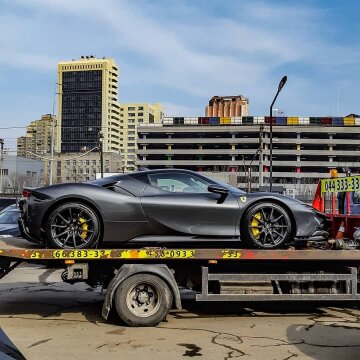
(267, 225)
(73, 226)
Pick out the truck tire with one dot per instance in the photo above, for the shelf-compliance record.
(143, 300)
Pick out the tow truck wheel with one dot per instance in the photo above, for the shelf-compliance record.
(143, 300)
(267, 226)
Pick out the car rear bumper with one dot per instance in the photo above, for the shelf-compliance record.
(29, 223)
(24, 231)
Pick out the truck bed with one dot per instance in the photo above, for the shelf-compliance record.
(18, 248)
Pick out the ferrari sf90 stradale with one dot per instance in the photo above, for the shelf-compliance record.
(163, 204)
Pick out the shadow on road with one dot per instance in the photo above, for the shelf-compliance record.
(326, 341)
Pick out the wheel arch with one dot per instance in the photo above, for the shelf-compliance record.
(78, 199)
(275, 201)
(127, 270)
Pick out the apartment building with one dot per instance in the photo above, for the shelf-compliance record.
(304, 149)
(131, 116)
(70, 167)
(37, 140)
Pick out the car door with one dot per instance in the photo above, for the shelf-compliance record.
(179, 202)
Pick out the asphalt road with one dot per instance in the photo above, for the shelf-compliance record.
(54, 320)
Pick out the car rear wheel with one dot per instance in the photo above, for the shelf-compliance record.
(267, 226)
(73, 226)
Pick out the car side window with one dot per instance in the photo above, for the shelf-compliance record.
(178, 182)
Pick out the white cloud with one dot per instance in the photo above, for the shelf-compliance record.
(194, 57)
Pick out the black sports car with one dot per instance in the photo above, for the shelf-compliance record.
(168, 204)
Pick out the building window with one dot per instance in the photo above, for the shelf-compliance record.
(140, 120)
(140, 108)
(5, 171)
(28, 173)
(131, 144)
(131, 121)
(131, 127)
(131, 114)
(140, 114)
(131, 108)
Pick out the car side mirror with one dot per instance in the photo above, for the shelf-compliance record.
(221, 190)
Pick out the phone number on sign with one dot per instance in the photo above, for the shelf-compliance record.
(340, 184)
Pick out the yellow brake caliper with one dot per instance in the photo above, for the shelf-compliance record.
(255, 231)
(84, 227)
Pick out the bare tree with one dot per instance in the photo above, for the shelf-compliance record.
(17, 181)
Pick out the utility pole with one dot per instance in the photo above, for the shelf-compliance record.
(261, 137)
(100, 135)
(52, 143)
(1, 164)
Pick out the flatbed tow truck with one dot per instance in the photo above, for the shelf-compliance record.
(143, 282)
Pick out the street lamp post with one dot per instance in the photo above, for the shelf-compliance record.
(281, 85)
(1, 164)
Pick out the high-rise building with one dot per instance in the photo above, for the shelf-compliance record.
(37, 140)
(87, 104)
(227, 106)
(131, 115)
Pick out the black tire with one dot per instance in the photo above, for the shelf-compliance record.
(266, 225)
(72, 225)
(143, 300)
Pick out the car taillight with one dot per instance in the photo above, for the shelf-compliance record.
(26, 193)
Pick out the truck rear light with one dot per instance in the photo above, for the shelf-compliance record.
(26, 193)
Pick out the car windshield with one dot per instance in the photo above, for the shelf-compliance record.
(9, 217)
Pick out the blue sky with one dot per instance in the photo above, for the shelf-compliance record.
(181, 53)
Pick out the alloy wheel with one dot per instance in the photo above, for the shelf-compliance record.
(269, 225)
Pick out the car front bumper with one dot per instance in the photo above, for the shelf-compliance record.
(311, 225)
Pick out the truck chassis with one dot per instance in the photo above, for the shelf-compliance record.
(143, 283)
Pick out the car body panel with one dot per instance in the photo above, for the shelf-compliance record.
(192, 213)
